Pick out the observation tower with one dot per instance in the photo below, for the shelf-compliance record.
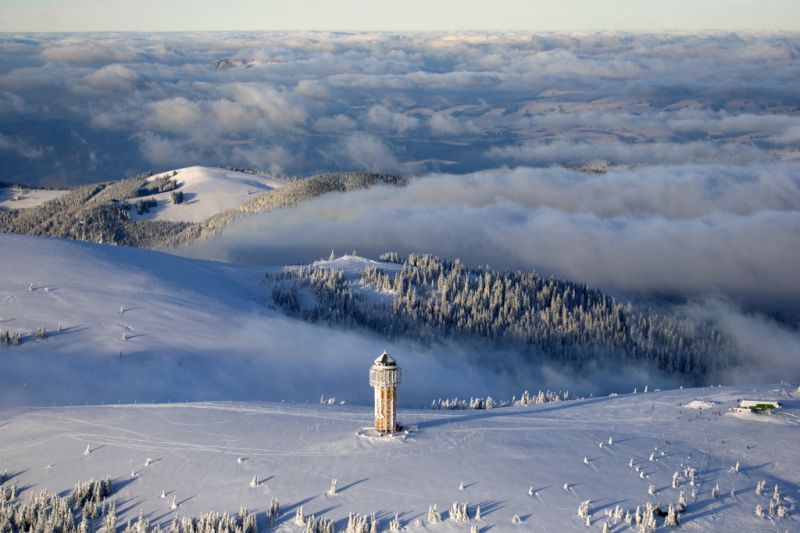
(384, 377)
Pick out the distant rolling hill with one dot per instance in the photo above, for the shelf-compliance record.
(171, 208)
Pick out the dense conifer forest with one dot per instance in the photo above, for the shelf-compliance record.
(430, 299)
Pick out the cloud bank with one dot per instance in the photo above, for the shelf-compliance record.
(688, 230)
(99, 106)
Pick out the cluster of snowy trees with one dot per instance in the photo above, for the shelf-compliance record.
(569, 322)
(776, 506)
(15, 338)
(8, 338)
(243, 522)
(80, 512)
(143, 205)
(158, 185)
(476, 402)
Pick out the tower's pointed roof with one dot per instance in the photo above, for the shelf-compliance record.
(385, 359)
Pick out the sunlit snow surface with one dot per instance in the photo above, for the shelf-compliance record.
(206, 192)
(296, 449)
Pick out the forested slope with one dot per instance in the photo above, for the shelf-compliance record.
(557, 320)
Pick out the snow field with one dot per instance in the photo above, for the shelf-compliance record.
(512, 461)
(207, 191)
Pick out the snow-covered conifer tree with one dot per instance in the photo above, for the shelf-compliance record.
(584, 508)
(433, 515)
(672, 519)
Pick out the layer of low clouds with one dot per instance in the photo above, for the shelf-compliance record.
(690, 230)
(98, 106)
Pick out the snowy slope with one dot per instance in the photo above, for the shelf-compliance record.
(207, 191)
(295, 450)
(20, 198)
(188, 329)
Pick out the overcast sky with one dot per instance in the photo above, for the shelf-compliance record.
(536, 15)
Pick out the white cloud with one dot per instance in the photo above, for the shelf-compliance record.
(113, 78)
(380, 117)
(367, 152)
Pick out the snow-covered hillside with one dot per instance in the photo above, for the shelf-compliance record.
(139, 325)
(206, 192)
(537, 462)
(20, 197)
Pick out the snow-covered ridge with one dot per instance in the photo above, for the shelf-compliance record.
(138, 325)
(206, 192)
(538, 463)
(352, 265)
(21, 197)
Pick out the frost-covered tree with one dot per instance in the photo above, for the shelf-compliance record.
(273, 512)
(584, 508)
(299, 517)
(433, 515)
(672, 519)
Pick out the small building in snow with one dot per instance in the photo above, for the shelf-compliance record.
(757, 406)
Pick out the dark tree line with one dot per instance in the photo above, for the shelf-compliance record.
(560, 320)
